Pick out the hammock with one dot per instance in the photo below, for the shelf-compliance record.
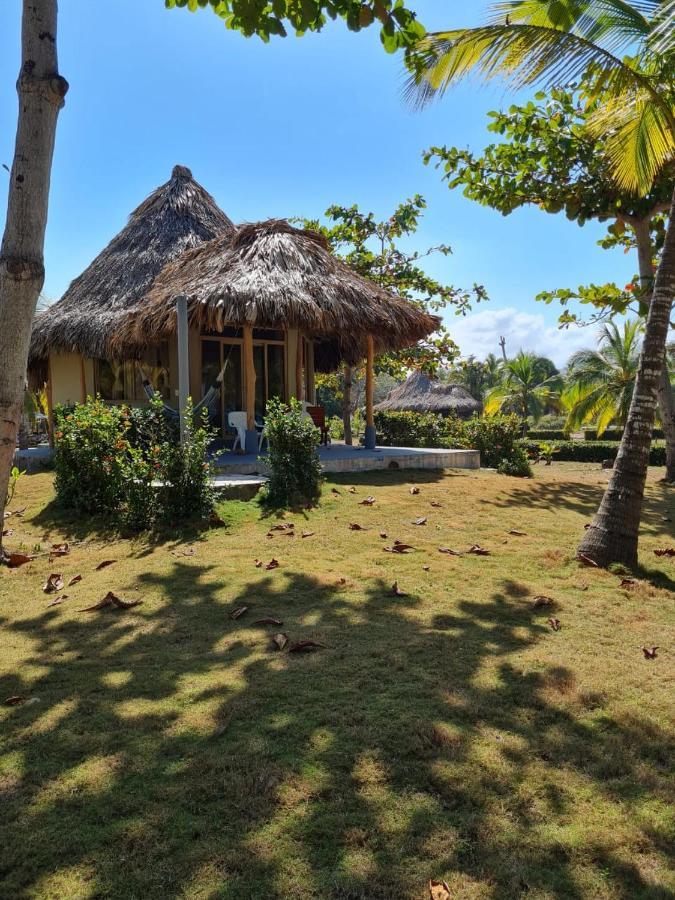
(206, 400)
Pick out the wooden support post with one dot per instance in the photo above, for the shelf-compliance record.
(249, 375)
(83, 380)
(299, 392)
(50, 404)
(183, 360)
(370, 438)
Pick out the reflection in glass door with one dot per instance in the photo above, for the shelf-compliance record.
(210, 368)
(215, 355)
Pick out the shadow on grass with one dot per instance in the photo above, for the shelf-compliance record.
(171, 751)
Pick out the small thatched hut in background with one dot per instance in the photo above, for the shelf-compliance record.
(267, 304)
(419, 393)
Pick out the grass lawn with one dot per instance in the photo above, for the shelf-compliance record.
(167, 751)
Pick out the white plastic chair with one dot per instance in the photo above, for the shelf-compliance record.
(238, 420)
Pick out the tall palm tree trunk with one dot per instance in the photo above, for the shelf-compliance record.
(613, 534)
(664, 392)
(41, 94)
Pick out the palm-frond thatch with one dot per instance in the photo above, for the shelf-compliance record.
(177, 216)
(420, 394)
(273, 275)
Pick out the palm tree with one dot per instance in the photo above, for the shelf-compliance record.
(527, 388)
(631, 105)
(601, 382)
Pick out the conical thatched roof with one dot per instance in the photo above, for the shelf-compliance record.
(420, 394)
(273, 275)
(177, 216)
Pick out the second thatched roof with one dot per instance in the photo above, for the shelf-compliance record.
(420, 394)
(272, 275)
(178, 215)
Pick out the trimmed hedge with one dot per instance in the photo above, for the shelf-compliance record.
(592, 451)
(552, 434)
(613, 434)
(410, 429)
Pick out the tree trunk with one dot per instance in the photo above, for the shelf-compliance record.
(664, 391)
(613, 534)
(41, 95)
(347, 405)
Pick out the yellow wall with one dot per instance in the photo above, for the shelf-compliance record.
(66, 377)
(291, 354)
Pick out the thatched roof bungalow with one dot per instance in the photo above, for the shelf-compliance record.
(267, 304)
(419, 393)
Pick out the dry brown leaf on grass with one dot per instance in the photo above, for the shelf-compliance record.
(335, 491)
(426, 568)
(7, 532)
(59, 549)
(398, 547)
(383, 535)
(517, 533)
(354, 526)
(554, 623)
(238, 612)
(586, 561)
(306, 646)
(286, 526)
(74, 580)
(449, 552)
(414, 490)
(650, 652)
(439, 890)
(15, 700)
(307, 534)
(351, 490)
(542, 600)
(15, 512)
(268, 620)
(367, 502)
(272, 564)
(396, 590)
(422, 520)
(53, 583)
(280, 641)
(111, 599)
(14, 560)
(665, 551)
(436, 504)
(477, 550)
(105, 564)
(627, 583)
(258, 563)
(58, 600)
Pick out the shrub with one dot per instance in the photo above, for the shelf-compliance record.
(614, 434)
(494, 436)
(410, 429)
(517, 464)
(130, 465)
(592, 451)
(295, 468)
(543, 434)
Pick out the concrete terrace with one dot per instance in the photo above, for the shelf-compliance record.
(339, 457)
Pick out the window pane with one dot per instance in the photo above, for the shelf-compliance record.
(232, 378)
(155, 364)
(259, 363)
(210, 370)
(275, 372)
(110, 379)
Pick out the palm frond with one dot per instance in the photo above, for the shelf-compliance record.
(639, 137)
(662, 37)
(521, 54)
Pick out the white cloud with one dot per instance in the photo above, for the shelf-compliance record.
(479, 333)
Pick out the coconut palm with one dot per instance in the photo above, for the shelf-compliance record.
(624, 53)
(600, 382)
(528, 388)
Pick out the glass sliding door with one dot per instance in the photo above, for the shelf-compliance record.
(210, 368)
(233, 400)
(276, 381)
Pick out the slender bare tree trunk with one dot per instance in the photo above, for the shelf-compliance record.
(347, 405)
(664, 391)
(41, 95)
(613, 534)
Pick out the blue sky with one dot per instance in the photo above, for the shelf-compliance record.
(286, 129)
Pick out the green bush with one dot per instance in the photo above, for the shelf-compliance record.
(494, 436)
(543, 434)
(295, 468)
(614, 434)
(592, 451)
(517, 464)
(410, 429)
(129, 464)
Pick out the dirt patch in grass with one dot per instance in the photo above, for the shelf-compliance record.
(445, 732)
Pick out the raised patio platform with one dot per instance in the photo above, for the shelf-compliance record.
(341, 458)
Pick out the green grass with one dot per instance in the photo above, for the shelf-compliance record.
(449, 733)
